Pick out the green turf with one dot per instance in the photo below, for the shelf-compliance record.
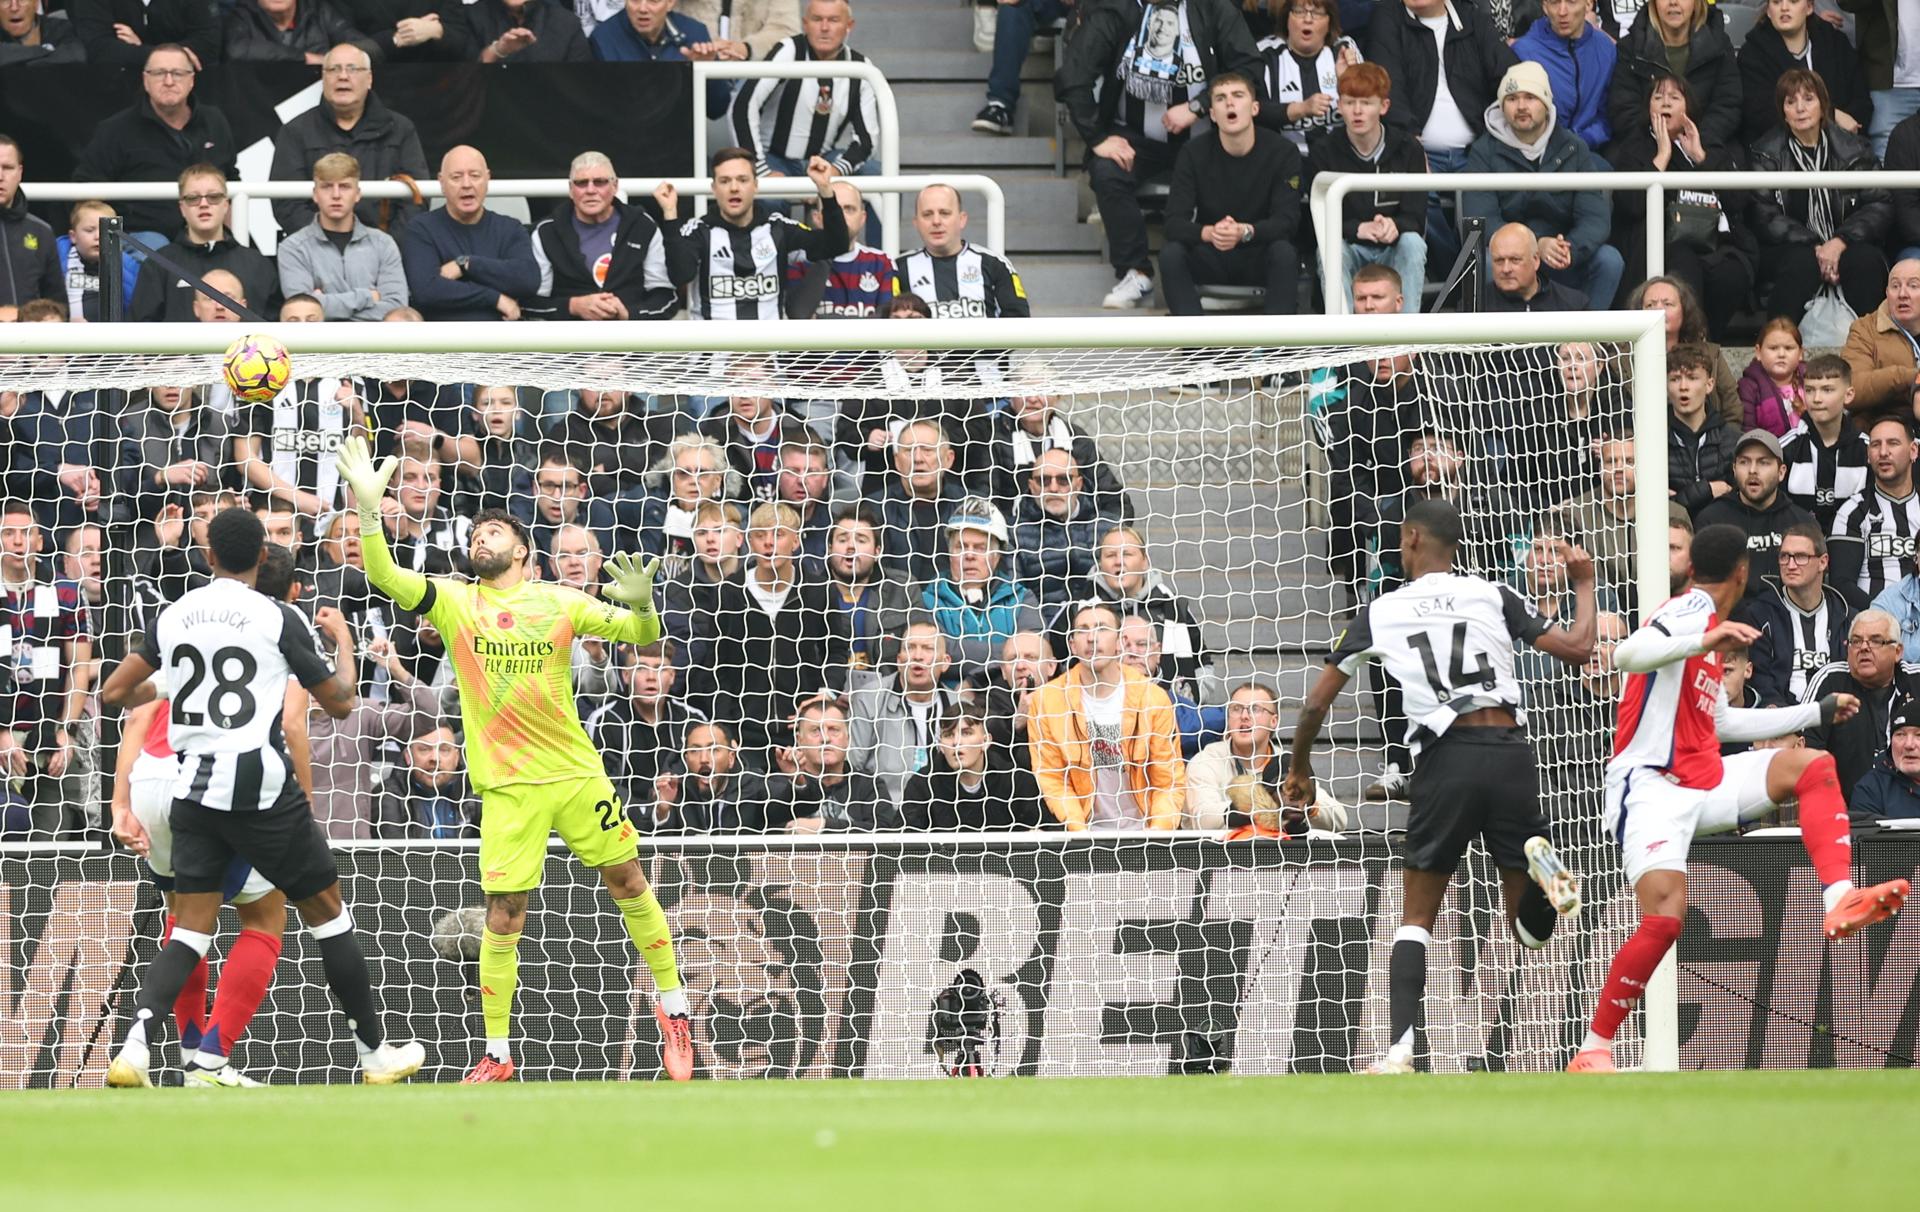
(1809, 1141)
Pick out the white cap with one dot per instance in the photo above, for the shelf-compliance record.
(978, 513)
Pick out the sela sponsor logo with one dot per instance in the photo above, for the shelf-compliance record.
(748, 286)
(954, 309)
(1881, 546)
(306, 441)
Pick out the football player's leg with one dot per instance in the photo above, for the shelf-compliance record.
(513, 854)
(1537, 887)
(1407, 964)
(1809, 775)
(246, 972)
(152, 804)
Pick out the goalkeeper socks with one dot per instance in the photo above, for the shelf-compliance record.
(1823, 827)
(243, 986)
(1406, 986)
(346, 968)
(1632, 967)
(499, 976)
(647, 927)
(190, 1008)
(1533, 918)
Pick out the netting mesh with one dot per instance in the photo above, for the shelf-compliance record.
(1264, 487)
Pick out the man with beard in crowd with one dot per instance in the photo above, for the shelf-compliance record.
(699, 793)
(876, 604)
(1757, 506)
(642, 734)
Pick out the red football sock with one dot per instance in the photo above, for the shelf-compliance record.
(243, 986)
(1823, 822)
(190, 1008)
(1633, 964)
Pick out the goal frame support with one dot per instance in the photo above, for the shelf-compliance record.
(1644, 332)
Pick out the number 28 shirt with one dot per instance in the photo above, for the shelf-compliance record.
(1448, 640)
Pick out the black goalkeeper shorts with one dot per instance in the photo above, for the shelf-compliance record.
(1474, 782)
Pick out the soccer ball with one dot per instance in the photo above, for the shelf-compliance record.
(257, 368)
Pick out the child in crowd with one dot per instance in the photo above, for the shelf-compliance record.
(1826, 455)
(1771, 392)
(1699, 444)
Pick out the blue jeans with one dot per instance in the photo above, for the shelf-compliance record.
(1443, 234)
(1890, 105)
(869, 168)
(1407, 257)
(1013, 29)
(1598, 279)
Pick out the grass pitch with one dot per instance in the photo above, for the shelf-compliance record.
(1745, 1140)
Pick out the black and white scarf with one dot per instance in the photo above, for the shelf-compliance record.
(1819, 201)
(1161, 55)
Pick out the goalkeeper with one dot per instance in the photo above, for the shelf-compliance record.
(510, 641)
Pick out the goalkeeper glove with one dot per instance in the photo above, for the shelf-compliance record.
(631, 582)
(369, 483)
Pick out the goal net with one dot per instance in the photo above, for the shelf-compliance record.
(1231, 487)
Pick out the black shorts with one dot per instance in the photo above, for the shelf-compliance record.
(1474, 782)
(283, 843)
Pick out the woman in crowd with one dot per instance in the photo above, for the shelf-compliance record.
(1816, 238)
(1303, 59)
(1687, 325)
(1706, 248)
(1792, 37)
(1683, 38)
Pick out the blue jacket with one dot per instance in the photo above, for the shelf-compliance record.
(500, 262)
(1884, 791)
(616, 41)
(974, 632)
(1580, 71)
(1199, 726)
(1585, 219)
(129, 270)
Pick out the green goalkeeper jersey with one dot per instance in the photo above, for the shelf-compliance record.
(512, 655)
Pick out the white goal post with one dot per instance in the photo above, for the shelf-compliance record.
(1219, 398)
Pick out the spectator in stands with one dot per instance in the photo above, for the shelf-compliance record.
(1600, 520)
(1033, 423)
(722, 286)
(1152, 64)
(157, 138)
(1826, 454)
(118, 33)
(1771, 393)
(1126, 580)
(51, 657)
(519, 31)
(806, 480)
(559, 500)
(972, 599)
(32, 37)
(1251, 745)
(1802, 620)
(856, 284)
(1817, 238)
(955, 276)
(1304, 60)
(1874, 673)
(203, 249)
(424, 535)
(1523, 134)
(1105, 748)
(690, 599)
(1445, 61)
(1513, 264)
(742, 29)
(62, 447)
(609, 435)
(749, 428)
(409, 31)
(354, 270)
(1791, 36)
(26, 243)
(893, 724)
(1004, 691)
(465, 262)
(876, 605)
(84, 563)
(779, 636)
(1578, 59)
(78, 253)
(701, 792)
(1685, 38)
(971, 782)
(1756, 505)
(350, 119)
(504, 477)
(428, 796)
(210, 309)
(692, 473)
(1376, 228)
(1872, 542)
(919, 500)
(1892, 75)
(835, 118)
(172, 445)
(1233, 207)
(1699, 444)
(1880, 345)
(642, 734)
(1891, 788)
(1140, 648)
(289, 31)
(650, 32)
(1370, 411)
(287, 447)
(1057, 532)
(600, 258)
(1902, 154)
(1012, 24)
(1707, 247)
(810, 788)
(1687, 325)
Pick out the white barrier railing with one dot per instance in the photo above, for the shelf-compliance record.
(887, 138)
(244, 192)
(1330, 191)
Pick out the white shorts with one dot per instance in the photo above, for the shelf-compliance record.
(152, 797)
(1654, 821)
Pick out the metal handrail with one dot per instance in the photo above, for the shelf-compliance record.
(1331, 189)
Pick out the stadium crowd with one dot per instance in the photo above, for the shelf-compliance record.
(891, 612)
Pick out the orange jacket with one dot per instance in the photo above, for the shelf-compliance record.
(1063, 758)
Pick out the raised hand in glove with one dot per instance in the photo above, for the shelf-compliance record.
(369, 483)
(630, 581)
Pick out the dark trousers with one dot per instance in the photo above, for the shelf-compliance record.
(1721, 278)
(1184, 268)
(1793, 277)
(1115, 190)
